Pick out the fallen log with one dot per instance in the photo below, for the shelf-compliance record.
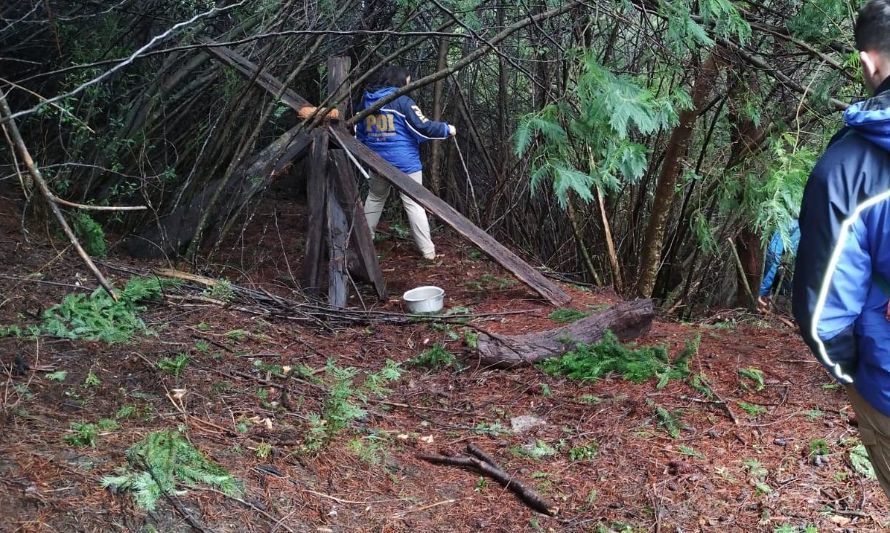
(626, 320)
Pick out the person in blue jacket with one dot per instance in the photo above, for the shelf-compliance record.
(773, 259)
(395, 132)
(841, 289)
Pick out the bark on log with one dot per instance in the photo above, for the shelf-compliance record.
(626, 320)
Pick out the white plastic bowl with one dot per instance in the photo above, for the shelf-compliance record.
(427, 299)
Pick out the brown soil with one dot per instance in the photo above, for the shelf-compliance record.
(640, 478)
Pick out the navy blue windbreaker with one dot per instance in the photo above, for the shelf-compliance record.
(843, 260)
(397, 129)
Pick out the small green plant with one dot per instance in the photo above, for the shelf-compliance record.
(221, 290)
(10, 331)
(585, 452)
(590, 399)
(751, 409)
(107, 424)
(668, 421)
(434, 358)
(589, 362)
(174, 366)
(203, 326)
(831, 386)
(164, 460)
(536, 451)
(754, 375)
(819, 447)
(90, 234)
(813, 414)
(689, 451)
(125, 411)
(488, 282)
(202, 346)
(471, 339)
(98, 316)
(493, 429)
(82, 434)
(545, 390)
(860, 462)
(758, 475)
(92, 380)
(565, 316)
(481, 484)
(237, 335)
(263, 450)
(371, 449)
(701, 384)
(340, 407)
(58, 375)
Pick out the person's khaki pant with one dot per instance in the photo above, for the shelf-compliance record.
(874, 431)
(420, 225)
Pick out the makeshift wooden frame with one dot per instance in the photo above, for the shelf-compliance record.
(329, 205)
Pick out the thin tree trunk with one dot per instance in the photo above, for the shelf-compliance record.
(438, 102)
(667, 181)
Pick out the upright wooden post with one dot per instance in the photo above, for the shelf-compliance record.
(316, 198)
(344, 189)
(338, 231)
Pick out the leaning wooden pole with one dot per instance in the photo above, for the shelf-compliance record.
(438, 207)
(50, 198)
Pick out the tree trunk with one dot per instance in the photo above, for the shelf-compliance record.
(438, 101)
(667, 180)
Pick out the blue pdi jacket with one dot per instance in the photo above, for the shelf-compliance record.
(397, 129)
(843, 260)
(774, 253)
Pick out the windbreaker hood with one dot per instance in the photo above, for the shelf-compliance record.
(871, 118)
(377, 94)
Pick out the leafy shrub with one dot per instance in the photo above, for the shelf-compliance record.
(98, 317)
(589, 362)
(90, 234)
(163, 460)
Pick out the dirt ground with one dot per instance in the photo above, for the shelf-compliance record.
(783, 467)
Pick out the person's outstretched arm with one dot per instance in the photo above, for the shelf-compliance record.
(421, 128)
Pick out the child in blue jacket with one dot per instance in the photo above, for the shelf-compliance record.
(774, 254)
(395, 132)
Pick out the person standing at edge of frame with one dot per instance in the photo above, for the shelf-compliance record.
(395, 132)
(841, 288)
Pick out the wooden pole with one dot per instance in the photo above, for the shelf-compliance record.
(316, 197)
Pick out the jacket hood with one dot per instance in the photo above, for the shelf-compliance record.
(377, 94)
(871, 117)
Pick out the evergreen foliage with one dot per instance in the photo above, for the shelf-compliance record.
(164, 460)
(590, 362)
(98, 317)
(90, 234)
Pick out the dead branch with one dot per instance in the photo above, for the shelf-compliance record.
(485, 464)
(51, 200)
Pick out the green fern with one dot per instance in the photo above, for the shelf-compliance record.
(164, 460)
(589, 362)
(99, 317)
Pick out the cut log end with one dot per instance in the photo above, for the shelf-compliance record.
(309, 111)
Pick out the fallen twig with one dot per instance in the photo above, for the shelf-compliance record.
(484, 463)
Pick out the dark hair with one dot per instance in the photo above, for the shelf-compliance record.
(389, 76)
(873, 27)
